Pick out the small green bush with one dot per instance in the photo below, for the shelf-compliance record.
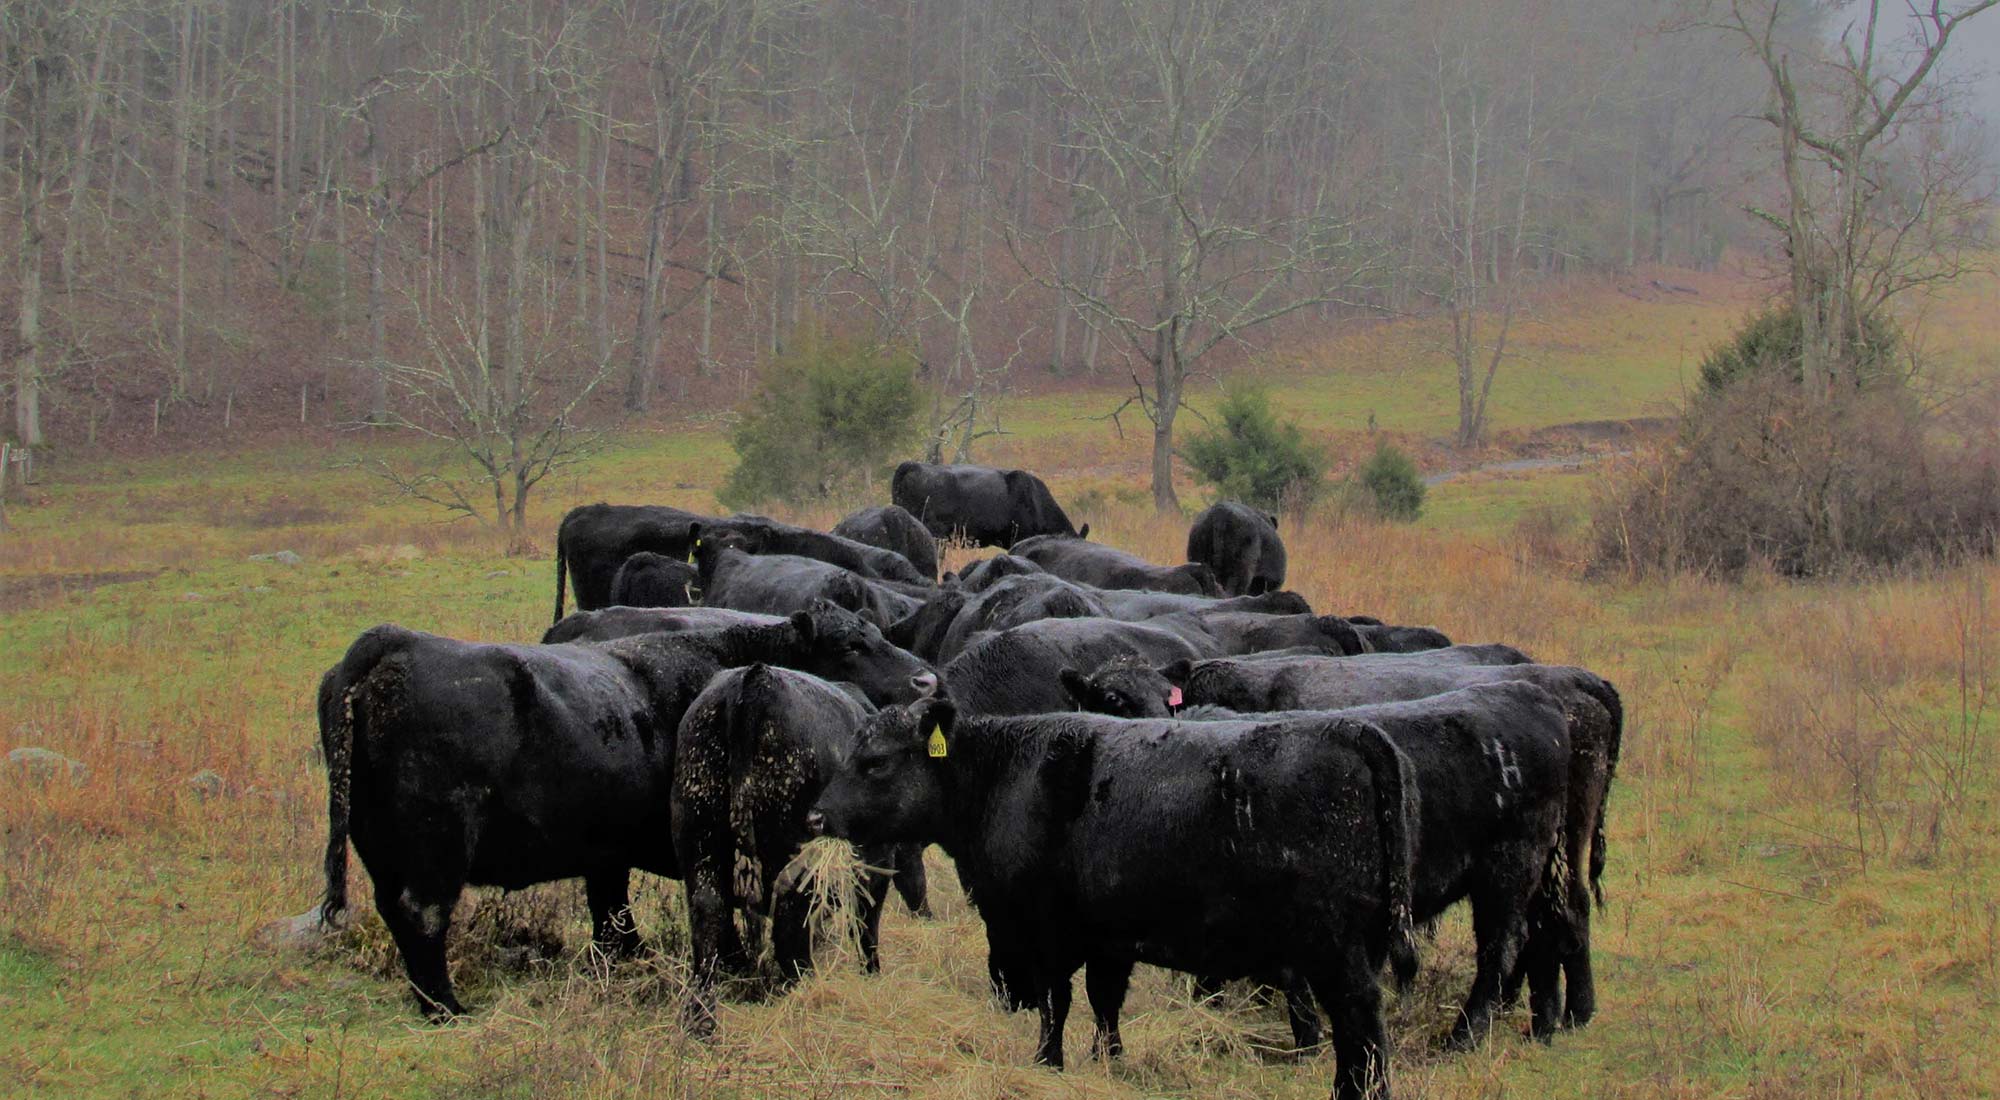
(1770, 340)
(1251, 457)
(831, 415)
(1392, 484)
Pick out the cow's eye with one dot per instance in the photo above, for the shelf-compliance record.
(1114, 700)
(875, 767)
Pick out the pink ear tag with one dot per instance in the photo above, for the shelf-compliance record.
(1173, 696)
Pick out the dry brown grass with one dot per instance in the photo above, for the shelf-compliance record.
(1756, 944)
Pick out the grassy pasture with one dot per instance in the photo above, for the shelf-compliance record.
(1805, 869)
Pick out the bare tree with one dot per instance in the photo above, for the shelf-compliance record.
(1879, 201)
(1161, 95)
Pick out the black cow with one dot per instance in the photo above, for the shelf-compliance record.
(607, 623)
(1234, 632)
(1559, 934)
(456, 762)
(1383, 638)
(982, 574)
(778, 584)
(1013, 602)
(1595, 713)
(1018, 671)
(1241, 545)
(1135, 605)
(891, 528)
(985, 506)
(1103, 566)
(653, 580)
(752, 754)
(595, 539)
(1225, 849)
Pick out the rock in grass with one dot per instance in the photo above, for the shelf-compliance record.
(206, 784)
(279, 557)
(301, 932)
(42, 765)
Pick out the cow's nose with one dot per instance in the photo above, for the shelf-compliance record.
(816, 823)
(926, 683)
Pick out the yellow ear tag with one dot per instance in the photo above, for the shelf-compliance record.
(936, 743)
(692, 549)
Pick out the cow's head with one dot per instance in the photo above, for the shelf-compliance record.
(893, 785)
(841, 646)
(709, 546)
(1124, 689)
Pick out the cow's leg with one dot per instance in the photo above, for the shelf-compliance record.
(911, 882)
(417, 911)
(1580, 987)
(1346, 988)
(1499, 927)
(1055, 1013)
(791, 931)
(1542, 959)
(1301, 1013)
(875, 893)
(714, 945)
(612, 927)
(1104, 982)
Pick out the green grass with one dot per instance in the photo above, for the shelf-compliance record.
(1772, 931)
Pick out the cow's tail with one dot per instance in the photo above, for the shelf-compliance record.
(1396, 825)
(336, 739)
(743, 727)
(1603, 691)
(562, 575)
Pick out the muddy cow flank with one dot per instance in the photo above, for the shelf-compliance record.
(751, 756)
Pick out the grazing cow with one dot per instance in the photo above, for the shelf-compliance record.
(607, 623)
(1101, 566)
(891, 528)
(983, 574)
(1595, 713)
(985, 506)
(1018, 671)
(1230, 849)
(595, 539)
(778, 584)
(1241, 545)
(1545, 737)
(653, 580)
(455, 762)
(752, 753)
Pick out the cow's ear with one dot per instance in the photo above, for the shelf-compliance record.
(1078, 687)
(1083, 532)
(802, 621)
(1273, 517)
(935, 717)
(1178, 671)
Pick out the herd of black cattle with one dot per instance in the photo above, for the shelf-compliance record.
(1251, 790)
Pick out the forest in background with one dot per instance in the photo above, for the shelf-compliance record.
(228, 214)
